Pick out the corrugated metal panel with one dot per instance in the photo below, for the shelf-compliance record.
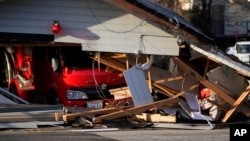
(4, 100)
(138, 87)
(12, 97)
(222, 58)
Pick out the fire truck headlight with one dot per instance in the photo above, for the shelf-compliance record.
(75, 95)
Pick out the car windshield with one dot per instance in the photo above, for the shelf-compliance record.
(243, 48)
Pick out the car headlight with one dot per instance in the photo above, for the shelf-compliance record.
(75, 95)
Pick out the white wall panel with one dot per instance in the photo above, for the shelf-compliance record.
(95, 24)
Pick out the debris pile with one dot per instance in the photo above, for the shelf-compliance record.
(155, 96)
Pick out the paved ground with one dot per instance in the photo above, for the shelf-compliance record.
(143, 134)
(168, 135)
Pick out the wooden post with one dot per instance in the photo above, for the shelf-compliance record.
(237, 103)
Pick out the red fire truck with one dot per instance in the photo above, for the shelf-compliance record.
(51, 75)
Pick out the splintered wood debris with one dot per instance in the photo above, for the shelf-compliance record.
(163, 97)
(177, 90)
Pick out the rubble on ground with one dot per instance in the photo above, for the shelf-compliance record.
(181, 96)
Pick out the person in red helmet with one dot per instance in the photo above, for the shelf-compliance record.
(207, 95)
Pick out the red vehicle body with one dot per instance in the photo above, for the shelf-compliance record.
(51, 75)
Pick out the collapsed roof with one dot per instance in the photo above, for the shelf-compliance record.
(162, 13)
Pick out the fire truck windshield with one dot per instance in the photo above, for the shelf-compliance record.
(74, 57)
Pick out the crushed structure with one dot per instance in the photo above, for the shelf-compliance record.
(197, 83)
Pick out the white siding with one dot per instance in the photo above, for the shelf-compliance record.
(33, 16)
(95, 24)
(120, 31)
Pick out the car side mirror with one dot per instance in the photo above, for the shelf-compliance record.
(55, 64)
(230, 51)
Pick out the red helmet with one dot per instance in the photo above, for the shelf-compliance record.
(205, 93)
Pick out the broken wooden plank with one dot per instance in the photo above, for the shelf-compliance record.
(168, 79)
(120, 93)
(167, 91)
(73, 116)
(121, 103)
(118, 55)
(139, 109)
(113, 63)
(170, 102)
(237, 103)
(156, 117)
(118, 89)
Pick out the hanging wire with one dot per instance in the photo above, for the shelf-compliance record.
(97, 86)
(142, 23)
(142, 40)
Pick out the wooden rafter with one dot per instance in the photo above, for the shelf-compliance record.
(224, 95)
(139, 109)
(73, 116)
(186, 68)
(236, 104)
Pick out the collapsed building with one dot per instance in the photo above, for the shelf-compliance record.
(168, 64)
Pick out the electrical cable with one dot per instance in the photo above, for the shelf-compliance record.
(98, 89)
(142, 23)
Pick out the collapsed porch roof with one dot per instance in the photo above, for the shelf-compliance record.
(162, 13)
